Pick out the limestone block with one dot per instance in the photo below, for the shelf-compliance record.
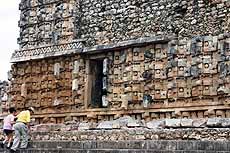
(116, 97)
(127, 76)
(196, 45)
(75, 85)
(197, 91)
(209, 90)
(105, 125)
(57, 67)
(149, 53)
(36, 103)
(222, 90)
(160, 51)
(214, 122)
(137, 67)
(105, 66)
(123, 56)
(116, 59)
(140, 96)
(222, 69)
(210, 44)
(105, 102)
(201, 122)
(20, 104)
(210, 113)
(125, 99)
(23, 90)
(172, 72)
(126, 56)
(186, 122)
(225, 122)
(155, 124)
(195, 71)
(184, 47)
(117, 70)
(183, 92)
(123, 121)
(137, 76)
(135, 96)
(172, 93)
(138, 54)
(160, 72)
(183, 68)
(134, 124)
(220, 113)
(209, 65)
(172, 123)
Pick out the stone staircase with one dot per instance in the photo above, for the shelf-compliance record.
(142, 146)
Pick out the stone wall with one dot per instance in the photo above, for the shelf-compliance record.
(136, 146)
(125, 134)
(45, 22)
(113, 21)
(185, 78)
(135, 134)
(4, 85)
(148, 59)
(99, 22)
(46, 85)
(127, 128)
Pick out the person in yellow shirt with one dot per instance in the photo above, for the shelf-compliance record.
(21, 128)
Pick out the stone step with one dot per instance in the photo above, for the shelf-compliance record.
(135, 144)
(161, 145)
(40, 150)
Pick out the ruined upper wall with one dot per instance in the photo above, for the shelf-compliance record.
(47, 22)
(101, 21)
(112, 21)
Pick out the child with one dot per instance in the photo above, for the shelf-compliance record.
(9, 120)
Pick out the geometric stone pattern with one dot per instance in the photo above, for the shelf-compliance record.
(181, 73)
(46, 51)
(186, 76)
(47, 22)
(50, 22)
(47, 83)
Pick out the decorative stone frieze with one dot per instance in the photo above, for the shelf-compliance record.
(148, 59)
(46, 51)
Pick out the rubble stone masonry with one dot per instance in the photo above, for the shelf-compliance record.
(99, 59)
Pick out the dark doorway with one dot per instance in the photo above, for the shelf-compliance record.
(96, 69)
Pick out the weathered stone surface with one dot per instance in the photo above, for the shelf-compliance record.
(203, 134)
(225, 122)
(214, 122)
(102, 22)
(105, 125)
(4, 85)
(124, 121)
(140, 146)
(48, 127)
(186, 122)
(172, 123)
(166, 59)
(155, 124)
(199, 122)
(84, 126)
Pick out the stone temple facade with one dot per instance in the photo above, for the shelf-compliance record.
(102, 59)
